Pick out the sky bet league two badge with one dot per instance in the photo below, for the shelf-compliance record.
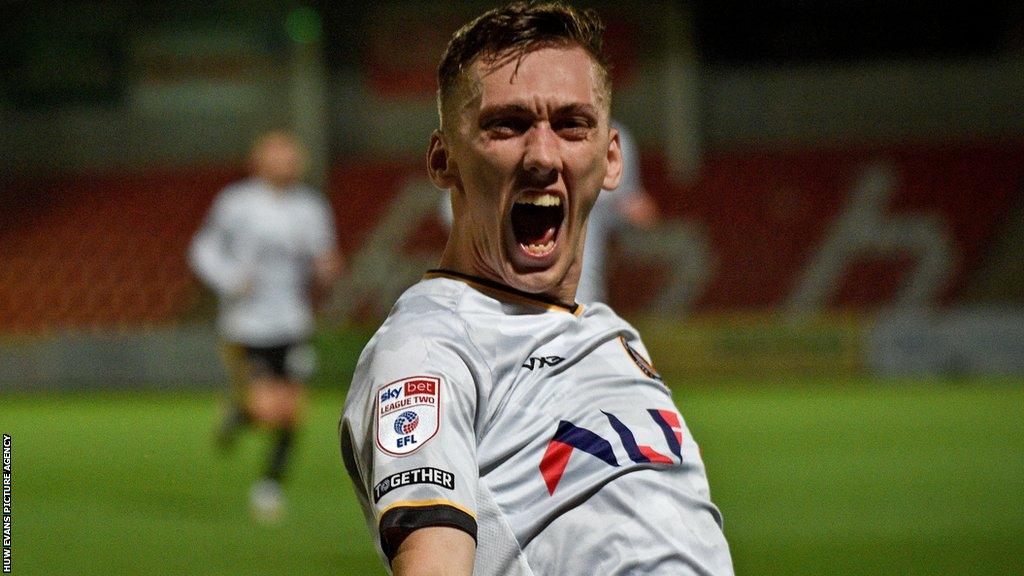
(408, 413)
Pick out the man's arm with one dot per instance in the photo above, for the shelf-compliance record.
(415, 478)
(209, 258)
(639, 209)
(327, 262)
(327, 268)
(435, 551)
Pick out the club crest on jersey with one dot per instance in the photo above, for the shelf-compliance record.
(408, 414)
(646, 367)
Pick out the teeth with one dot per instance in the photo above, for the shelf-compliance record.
(539, 249)
(542, 200)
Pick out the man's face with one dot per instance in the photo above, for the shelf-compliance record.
(279, 160)
(526, 153)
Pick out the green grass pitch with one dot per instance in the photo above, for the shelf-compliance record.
(814, 477)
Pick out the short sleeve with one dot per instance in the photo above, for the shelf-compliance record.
(209, 253)
(408, 434)
(322, 234)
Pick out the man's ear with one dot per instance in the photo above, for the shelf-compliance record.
(442, 170)
(613, 170)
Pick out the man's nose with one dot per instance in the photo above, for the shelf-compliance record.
(541, 154)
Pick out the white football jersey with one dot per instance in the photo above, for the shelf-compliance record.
(540, 429)
(256, 250)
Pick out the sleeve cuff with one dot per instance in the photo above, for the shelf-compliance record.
(400, 521)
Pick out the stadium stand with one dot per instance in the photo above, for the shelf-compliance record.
(100, 252)
(108, 251)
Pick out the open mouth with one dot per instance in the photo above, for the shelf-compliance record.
(536, 219)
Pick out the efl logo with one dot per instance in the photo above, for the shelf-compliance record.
(408, 414)
(406, 422)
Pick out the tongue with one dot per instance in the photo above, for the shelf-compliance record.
(535, 224)
(548, 236)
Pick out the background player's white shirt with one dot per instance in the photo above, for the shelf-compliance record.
(539, 427)
(256, 250)
(605, 218)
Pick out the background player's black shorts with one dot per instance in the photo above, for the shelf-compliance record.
(293, 361)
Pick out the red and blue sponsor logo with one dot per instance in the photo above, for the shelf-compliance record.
(569, 437)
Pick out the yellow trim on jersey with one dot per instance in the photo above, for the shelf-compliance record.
(423, 503)
(507, 293)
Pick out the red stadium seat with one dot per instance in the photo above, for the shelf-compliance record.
(101, 252)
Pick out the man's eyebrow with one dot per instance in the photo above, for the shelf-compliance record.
(489, 112)
(576, 108)
(515, 109)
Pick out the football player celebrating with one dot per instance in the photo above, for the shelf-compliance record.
(494, 426)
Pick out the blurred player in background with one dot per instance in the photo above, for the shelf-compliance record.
(494, 426)
(628, 205)
(268, 249)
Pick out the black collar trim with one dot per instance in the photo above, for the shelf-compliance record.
(533, 298)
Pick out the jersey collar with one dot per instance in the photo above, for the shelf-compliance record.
(505, 292)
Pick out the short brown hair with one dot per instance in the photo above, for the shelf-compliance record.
(510, 32)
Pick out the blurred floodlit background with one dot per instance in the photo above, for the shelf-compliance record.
(842, 185)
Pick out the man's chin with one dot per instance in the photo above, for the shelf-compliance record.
(547, 282)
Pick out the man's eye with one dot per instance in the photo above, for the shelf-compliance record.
(506, 127)
(573, 128)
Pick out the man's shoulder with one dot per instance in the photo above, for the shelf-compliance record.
(436, 317)
(239, 188)
(427, 309)
(423, 332)
(604, 319)
(599, 313)
(237, 194)
(306, 194)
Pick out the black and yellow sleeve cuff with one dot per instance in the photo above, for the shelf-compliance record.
(398, 521)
